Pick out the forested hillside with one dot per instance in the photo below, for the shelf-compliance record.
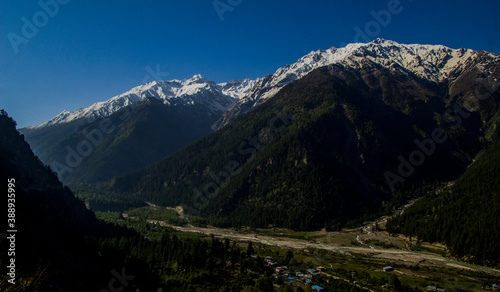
(52, 224)
(61, 246)
(316, 154)
(466, 217)
(127, 140)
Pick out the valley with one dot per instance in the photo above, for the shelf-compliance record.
(366, 248)
(334, 171)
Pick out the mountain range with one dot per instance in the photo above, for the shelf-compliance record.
(166, 115)
(195, 107)
(345, 129)
(359, 126)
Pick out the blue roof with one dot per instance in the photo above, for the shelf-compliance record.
(318, 287)
(309, 280)
(290, 278)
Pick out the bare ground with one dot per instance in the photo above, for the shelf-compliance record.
(370, 240)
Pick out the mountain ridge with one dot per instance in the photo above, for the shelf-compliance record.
(427, 61)
(199, 101)
(189, 108)
(350, 126)
(431, 62)
(173, 92)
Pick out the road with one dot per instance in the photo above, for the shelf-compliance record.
(390, 255)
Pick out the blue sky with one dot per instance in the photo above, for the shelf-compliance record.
(82, 52)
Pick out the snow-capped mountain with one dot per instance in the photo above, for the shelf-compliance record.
(430, 62)
(170, 114)
(238, 88)
(195, 91)
(165, 115)
(435, 63)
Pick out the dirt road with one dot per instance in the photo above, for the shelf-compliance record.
(330, 241)
(389, 255)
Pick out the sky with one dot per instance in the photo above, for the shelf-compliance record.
(60, 55)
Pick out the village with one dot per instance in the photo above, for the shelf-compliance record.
(285, 275)
(309, 276)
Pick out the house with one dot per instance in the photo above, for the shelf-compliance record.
(431, 288)
(495, 287)
(281, 270)
(318, 288)
(290, 278)
(308, 281)
(388, 269)
(313, 272)
(321, 269)
(269, 259)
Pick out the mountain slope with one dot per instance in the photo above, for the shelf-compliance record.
(327, 164)
(465, 217)
(60, 245)
(146, 123)
(143, 133)
(52, 224)
(197, 91)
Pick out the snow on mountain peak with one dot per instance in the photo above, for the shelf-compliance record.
(196, 90)
(198, 78)
(432, 62)
(238, 88)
